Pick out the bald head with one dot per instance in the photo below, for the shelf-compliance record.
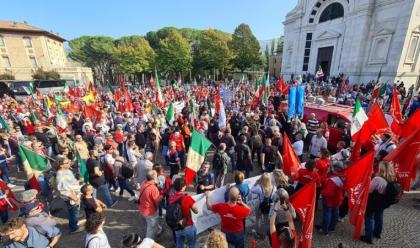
(151, 175)
(233, 194)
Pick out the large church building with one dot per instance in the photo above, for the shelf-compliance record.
(354, 37)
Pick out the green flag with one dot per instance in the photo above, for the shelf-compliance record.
(33, 116)
(359, 117)
(170, 115)
(35, 161)
(82, 168)
(3, 124)
(110, 88)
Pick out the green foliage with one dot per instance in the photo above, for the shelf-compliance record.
(174, 54)
(212, 51)
(280, 45)
(96, 52)
(245, 48)
(41, 74)
(7, 76)
(134, 54)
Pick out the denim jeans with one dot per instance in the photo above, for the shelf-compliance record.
(73, 216)
(189, 233)
(105, 190)
(4, 216)
(329, 218)
(373, 224)
(122, 182)
(236, 239)
(5, 173)
(152, 226)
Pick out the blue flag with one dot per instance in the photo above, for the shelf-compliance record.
(291, 112)
(300, 100)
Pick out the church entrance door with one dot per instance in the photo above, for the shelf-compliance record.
(325, 59)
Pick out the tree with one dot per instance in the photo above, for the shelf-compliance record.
(42, 74)
(174, 54)
(96, 52)
(134, 54)
(273, 44)
(7, 76)
(280, 45)
(212, 51)
(245, 48)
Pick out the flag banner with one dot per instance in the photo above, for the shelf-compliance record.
(196, 155)
(170, 115)
(395, 112)
(291, 163)
(291, 111)
(359, 118)
(376, 124)
(3, 124)
(82, 168)
(222, 116)
(303, 201)
(406, 158)
(357, 184)
(411, 125)
(300, 100)
(206, 219)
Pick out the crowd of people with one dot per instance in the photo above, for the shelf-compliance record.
(126, 144)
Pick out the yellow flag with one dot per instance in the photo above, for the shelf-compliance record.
(49, 102)
(89, 98)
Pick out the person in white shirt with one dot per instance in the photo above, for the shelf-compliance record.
(95, 236)
(298, 145)
(133, 240)
(317, 143)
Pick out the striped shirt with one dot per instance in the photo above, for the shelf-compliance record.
(312, 126)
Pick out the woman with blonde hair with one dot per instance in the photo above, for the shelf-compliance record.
(384, 191)
(264, 189)
(281, 181)
(216, 239)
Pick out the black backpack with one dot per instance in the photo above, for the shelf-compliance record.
(127, 171)
(265, 205)
(217, 161)
(393, 193)
(174, 215)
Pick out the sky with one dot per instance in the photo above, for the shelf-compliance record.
(117, 18)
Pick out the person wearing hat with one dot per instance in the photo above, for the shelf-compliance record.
(332, 197)
(133, 240)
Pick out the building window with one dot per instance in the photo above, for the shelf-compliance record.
(307, 52)
(6, 61)
(33, 62)
(331, 12)
(1, 41)
(27, 42)
(413, 48)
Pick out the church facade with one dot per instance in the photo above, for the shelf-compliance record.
(354, 37)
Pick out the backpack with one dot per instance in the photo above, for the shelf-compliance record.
(217, 161)
(127, 171)
(393, 193)
(265, 205)
(174, 215)
(240, 153)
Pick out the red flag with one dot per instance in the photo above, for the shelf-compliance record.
(117, 95)
(152, 81)
(303, 202)
(291, 163)
(395, 112)
(376, 124)
(218, 99)
(33, 184)
(282, 86)
(11, 197)
(257, 98)
(128, 104)
(92, 112)
(122, 80)
(406, 158)
(72, 92)
(376, 90)
(411, 125)
(357, 184)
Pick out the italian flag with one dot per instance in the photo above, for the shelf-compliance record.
(170, 115)
(359, 118)
(196, 155)
(33, 164)
(159, 96)
(60, 119)
(82, 168)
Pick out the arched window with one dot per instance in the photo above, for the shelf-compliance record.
(333, 11)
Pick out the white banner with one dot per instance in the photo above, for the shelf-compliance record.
(205, 218)
(178, 106)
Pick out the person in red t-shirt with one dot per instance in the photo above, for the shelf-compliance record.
(322, 166)
(287, 236)
(180, 145)
(232, 214)
(307, 174)
(189, 232)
